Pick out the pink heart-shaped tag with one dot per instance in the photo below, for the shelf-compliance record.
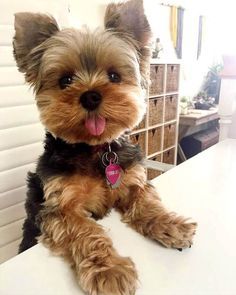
(113, 172)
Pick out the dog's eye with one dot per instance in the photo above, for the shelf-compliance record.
(65, 81)
(114, 77)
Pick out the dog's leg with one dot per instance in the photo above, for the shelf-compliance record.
(99, 268)
(68, 230)
(143, 210)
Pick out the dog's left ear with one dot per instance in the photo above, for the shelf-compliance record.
(129, 17)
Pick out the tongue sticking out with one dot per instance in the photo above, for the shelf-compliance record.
(95, 125)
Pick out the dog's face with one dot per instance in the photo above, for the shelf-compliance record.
(89, 85)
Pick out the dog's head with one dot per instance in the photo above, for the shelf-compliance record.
(89, 85)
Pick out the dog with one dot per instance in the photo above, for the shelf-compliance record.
(89, 88)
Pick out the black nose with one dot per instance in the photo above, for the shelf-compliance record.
(90, 100)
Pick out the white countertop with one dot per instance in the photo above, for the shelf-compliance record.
(203, 187)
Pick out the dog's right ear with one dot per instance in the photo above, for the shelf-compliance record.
(128, 16)
(31, 30)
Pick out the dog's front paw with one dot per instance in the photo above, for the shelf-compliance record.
(176, 234)
(115, 275)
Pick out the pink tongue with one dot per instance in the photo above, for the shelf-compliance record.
(95, 125)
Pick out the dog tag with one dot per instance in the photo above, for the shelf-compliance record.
(113, 173)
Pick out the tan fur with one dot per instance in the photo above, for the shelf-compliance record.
(78, 194)
(61, 111)
(65, 117)
(68, 231)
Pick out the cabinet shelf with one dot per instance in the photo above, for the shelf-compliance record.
(157, 133)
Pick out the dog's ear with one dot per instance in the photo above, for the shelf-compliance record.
(31, 30)
(129, 17)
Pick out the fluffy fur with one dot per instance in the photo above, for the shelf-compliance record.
(69, 191)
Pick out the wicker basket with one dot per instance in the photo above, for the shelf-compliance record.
(172, 80)
(169, 156)
(155, 111)
(171, 107)
(151, 173)
(139, 138)
(154, 140)
(157, 79)
(169, 135)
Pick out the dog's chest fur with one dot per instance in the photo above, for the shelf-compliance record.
(78, 168)
(74, 174)
(63, 159)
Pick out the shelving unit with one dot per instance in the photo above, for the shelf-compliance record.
(157, 133)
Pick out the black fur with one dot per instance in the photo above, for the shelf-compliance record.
(61, 159)
(33, 205)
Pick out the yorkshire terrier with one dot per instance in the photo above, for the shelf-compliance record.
(89, 90)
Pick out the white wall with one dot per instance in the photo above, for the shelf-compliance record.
(192, 70)
(159, 16)
(89, 13)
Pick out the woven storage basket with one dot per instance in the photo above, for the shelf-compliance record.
(169, 156)
(151, 173)
(169, 135)
(157, 79)
(154, 140)
(139, 138)
(171, 107)
(172, 80)
(155, 111)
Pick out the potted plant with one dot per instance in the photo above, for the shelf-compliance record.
(203, 102)
(184, 103)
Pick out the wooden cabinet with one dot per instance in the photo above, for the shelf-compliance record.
(157, 133)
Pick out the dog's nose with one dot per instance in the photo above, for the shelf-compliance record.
(90, 100)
